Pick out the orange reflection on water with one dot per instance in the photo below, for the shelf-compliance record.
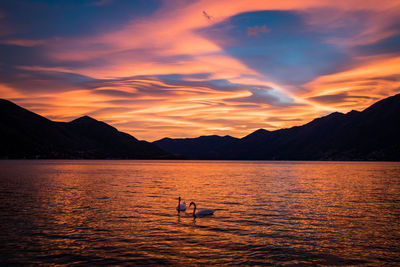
(123, 212)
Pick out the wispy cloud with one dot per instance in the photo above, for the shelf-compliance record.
(23, 42)
(339, 98)
(254, 31)
(102, 2)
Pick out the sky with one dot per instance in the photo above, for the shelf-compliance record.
(181, 69)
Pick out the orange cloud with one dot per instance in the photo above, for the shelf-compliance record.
(376, 79)
(168, 42)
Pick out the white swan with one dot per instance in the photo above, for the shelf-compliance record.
(181, 207)
(201, 213)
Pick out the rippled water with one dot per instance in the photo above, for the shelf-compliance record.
(123, 213)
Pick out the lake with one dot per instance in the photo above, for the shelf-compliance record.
(77, 212)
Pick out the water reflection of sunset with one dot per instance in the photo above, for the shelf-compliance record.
(117, 212)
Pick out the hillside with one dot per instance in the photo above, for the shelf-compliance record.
(24, 134)
(372, 134)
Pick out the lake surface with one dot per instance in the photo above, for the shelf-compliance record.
(267, 213)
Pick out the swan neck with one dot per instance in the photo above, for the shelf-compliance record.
(194, 210)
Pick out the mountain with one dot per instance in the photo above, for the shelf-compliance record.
(372, 134)
(203, 147)
(24, 134)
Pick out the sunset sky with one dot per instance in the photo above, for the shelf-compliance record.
(160, 69)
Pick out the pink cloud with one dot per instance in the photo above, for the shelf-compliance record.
(24, 42)
(254, 31)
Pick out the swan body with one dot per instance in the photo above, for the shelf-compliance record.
(201, 213)
(181, 207)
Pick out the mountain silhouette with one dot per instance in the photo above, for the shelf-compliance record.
(24, 134)
(203, 147)
(373, 134)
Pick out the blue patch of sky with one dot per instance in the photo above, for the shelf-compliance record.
(387, 45)
(289, 53)
(260, 94)
(180, 77)
(218, 84)
(44, 19)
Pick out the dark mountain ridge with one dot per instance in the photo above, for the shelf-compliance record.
(372, 134)
(203, 147)
(24, 134)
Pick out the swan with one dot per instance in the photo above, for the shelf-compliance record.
(201, 213)
(181, 207)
